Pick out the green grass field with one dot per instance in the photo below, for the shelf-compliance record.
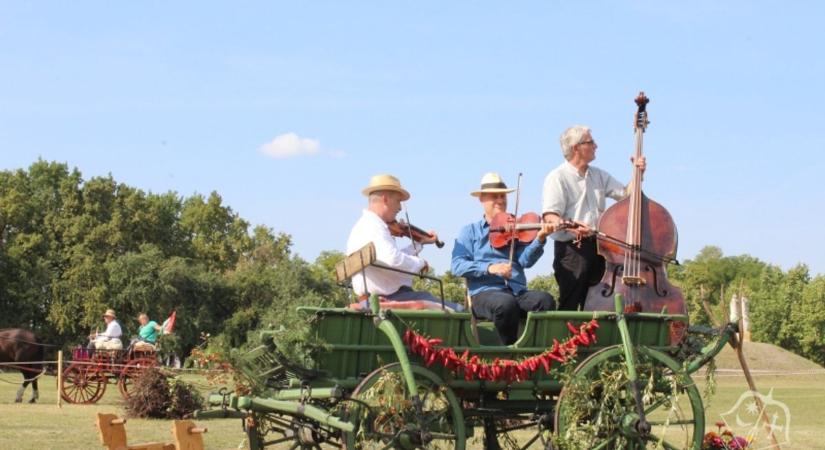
(45, 426)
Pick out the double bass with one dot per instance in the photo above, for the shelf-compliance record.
(635, 265)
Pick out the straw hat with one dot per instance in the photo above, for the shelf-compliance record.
(110, 313)
(493, 184)
(386, 182)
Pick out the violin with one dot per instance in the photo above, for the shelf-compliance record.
(635, 267)
(505, 228)
(404, 229)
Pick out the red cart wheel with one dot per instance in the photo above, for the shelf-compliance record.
(82, 384)
(132, 369)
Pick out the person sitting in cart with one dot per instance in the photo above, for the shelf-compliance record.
(498, 287)
(385, 194)
(147, 333)
(110, 338)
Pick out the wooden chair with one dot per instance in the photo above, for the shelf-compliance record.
(113, 435)
(355, 263)
(468, 303)
(187, 435)
(488, 335)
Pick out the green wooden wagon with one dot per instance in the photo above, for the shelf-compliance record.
(367, 389)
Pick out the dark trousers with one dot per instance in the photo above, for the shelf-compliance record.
(576, 268)
(506, 309)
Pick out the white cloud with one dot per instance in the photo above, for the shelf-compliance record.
(290, 144)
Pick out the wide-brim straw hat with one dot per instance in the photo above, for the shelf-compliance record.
(110, 313)
(491, 183)
(385, 182)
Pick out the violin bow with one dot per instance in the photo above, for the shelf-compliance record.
(409, 229)
(513, 237)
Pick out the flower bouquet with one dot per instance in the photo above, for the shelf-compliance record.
(724, 439)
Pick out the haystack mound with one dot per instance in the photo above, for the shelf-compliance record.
(766, 357)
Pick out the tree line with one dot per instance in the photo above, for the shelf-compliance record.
(70, 248)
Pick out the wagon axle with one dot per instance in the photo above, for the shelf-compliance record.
(634, 426)
(412, 438)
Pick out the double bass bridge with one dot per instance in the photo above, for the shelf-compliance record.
(633, 281)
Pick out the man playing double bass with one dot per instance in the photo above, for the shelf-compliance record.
(577, 191)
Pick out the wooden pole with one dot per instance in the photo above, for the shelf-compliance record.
(59, 378)
(736, 343)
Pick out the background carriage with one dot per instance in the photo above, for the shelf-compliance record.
(371, 386)
(87, 374)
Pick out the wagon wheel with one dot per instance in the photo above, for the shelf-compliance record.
(386, 415)
(282, 431)
(82, 384)
(596, 408)
(130, 371)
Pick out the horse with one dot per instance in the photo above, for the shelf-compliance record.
(20, 346)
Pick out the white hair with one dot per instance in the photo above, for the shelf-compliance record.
(572, 136)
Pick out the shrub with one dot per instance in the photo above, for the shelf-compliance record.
(155, 395)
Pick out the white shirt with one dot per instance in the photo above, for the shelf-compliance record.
(371, 228)
(576, 197)
(112, 332)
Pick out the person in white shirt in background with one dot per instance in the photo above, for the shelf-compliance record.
(110, 338)
(385, 195)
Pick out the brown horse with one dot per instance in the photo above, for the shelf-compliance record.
(21, 346)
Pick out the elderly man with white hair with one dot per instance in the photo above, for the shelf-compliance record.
(577, 191)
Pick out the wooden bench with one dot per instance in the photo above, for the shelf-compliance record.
(188, 436)
(112, 428)
(113, 435)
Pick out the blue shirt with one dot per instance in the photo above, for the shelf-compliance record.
(473, 254)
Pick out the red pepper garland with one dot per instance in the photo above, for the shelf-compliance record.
(507, 370)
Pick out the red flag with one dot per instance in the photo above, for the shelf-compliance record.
(169, 323)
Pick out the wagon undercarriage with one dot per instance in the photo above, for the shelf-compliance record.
(368, 390)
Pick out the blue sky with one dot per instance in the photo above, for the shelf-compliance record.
(198, 96)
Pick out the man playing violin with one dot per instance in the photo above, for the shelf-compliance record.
(497, 285)
(576, 191)
(385, 195)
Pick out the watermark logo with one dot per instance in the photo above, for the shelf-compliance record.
(745, 418)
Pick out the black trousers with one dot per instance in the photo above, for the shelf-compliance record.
(506, 309)
(576, 269)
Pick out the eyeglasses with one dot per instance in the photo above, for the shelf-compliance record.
(587, 142)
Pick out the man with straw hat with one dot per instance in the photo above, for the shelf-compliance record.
(498, 288)
(385, 195)
(109, 339)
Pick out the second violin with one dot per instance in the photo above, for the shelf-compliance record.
(505, 227)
